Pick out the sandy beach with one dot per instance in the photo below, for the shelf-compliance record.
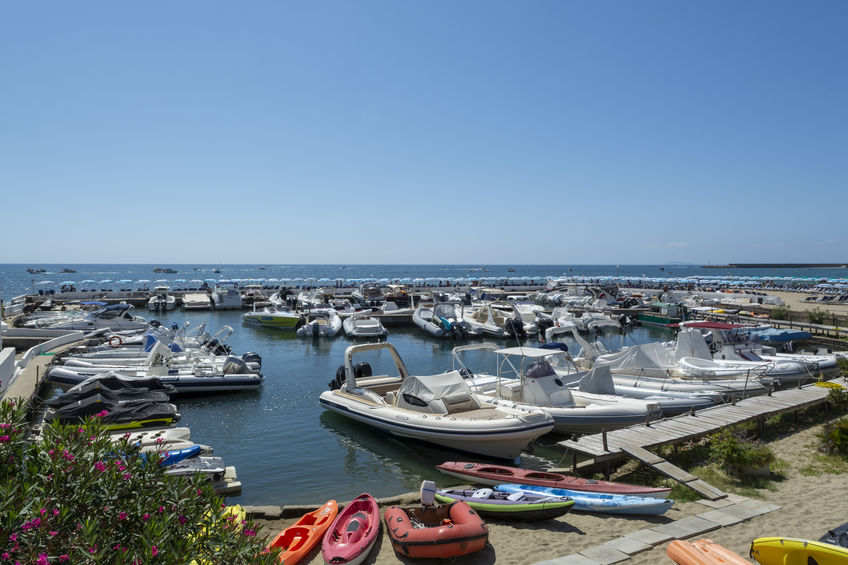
(810, 505)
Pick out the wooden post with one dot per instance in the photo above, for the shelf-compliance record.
(761, 426)
(606, 470)
(574, 462)
(604, 439)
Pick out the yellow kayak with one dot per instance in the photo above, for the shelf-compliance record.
(793, 551)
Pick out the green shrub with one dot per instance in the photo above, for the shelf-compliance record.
(842, 362)
(74, 496)
(779, 313)
(838, 398)
(834, 438)
(817, 315)
(733, 454)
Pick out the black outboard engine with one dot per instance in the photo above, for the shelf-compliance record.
(316, 330)
(362, 369)
(544, 323)
(253, 360)
(155, 323)
(337, 382)
(215, 347)
(515, 328)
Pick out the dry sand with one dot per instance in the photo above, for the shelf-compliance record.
(810, 506)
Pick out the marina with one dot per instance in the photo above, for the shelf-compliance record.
(296, 371)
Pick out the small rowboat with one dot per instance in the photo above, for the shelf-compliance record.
(486, 474)
(353, 533)
(436, 531)
(504, 506)
(793, 551)
(702, 552)
(297, 540)
(597, 501)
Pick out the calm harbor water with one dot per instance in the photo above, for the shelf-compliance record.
(285, 448)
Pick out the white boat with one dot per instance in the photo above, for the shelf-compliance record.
(525, 380)
(161, 300)
(117, 317)
(499, 319)
(442, 319)
(595, 321)
(226, 295)
(314, 298)
(438, 409)
(196, 301)
(368, 294)
(364, 324)
(234, 376)
(272, 317)
(322, 322)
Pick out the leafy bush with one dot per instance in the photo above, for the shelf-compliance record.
(74, 496)
(817, 315)
(842, 362)
(733, 454)
(779, 313)
(838, 398)
(834, 438)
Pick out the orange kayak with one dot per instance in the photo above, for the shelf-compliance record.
(297, 540)
(702, 552)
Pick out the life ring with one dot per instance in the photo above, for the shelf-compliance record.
(115, 341)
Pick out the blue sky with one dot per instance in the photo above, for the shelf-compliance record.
(424, 132)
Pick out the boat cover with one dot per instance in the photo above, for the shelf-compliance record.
(646, 356)
(447, 388)
(691, 343)
(114, 389)
(140, 410)
(598, 381)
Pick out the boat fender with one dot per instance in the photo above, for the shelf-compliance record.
(115, 341)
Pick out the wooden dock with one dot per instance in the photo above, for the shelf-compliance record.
(635, 441)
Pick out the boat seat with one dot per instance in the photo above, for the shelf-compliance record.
(459, 402)
(515, 496)
(483, 493)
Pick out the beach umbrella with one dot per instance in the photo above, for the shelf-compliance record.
(192, 281)
(180, 280)
(158, 280)
(105, 281)
(323, 279)
(123, 281)
(142, 281)
(87, 281)
(209, 280)
(68, 282)
(45, 282)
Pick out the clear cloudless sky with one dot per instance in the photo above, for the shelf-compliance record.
(563, 132)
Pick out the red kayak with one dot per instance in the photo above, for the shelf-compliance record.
(353, 533)
(487, 474)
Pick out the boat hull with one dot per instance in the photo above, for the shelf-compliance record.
(501, 436)
(793, 551)
(352, 534)
(489, 474)
(598, 502)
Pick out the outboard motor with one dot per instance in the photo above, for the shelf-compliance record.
(362, 369)
(337, 382)
(253, 360)
(235, 366)
(155, 323)
(544, 323)
(316, 330)
(215, 347)
(515, 328)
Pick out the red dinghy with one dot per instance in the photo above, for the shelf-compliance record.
(487, 474)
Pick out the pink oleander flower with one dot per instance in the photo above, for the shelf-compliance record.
(55, 511)
(161, 509)
(102, 414)
(13, 537)
(64, 557)
(127, 476)
(122, 516)
(154, 551)
(52, 533)
(249, 533)
(4, 439)
(182, 519)
(100, 466)
(92, 549)
(145, 517)
(4, 555)
(159, 440)
(42, 559)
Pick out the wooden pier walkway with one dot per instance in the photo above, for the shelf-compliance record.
(635, 441)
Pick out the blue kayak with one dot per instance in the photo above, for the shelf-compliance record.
(176, 455)
(597, 502)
